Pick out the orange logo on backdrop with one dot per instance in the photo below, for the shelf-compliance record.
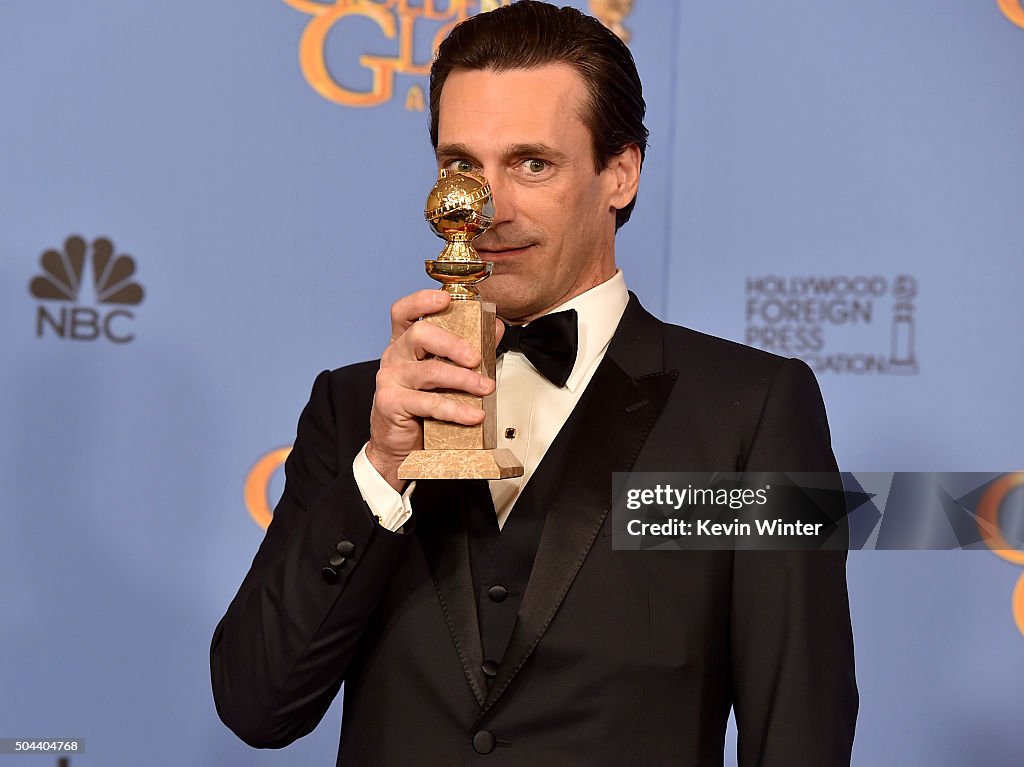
(1013, 10)
(397, 20)
(988, 523)
(257, 485)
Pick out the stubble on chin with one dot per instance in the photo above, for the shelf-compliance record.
(510, 296)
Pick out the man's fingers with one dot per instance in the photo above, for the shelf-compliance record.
(405, 311)
(401, 407)
(436, 374)
(425, 339)
(428, 404)
(422, 362)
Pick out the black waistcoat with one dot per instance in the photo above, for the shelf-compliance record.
(502, 559)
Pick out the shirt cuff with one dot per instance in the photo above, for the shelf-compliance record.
(391, 508)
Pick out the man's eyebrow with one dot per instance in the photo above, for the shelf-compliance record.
(452, 150)
(539, 150)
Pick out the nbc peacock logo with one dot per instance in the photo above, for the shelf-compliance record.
(111, 289)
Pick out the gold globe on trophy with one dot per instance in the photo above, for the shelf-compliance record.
(459, 208)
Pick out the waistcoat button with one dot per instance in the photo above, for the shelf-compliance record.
(497, 593)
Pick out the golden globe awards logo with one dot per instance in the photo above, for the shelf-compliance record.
(852, 324)
(989, 516)
(1013, 10)
(394, 24)
(256, 491)
(409, 33)
(61, 284)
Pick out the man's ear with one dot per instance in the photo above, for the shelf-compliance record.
(625, 167)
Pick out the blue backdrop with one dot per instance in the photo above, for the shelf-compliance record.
(836, 181)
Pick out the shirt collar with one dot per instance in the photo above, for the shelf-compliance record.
(598, 312)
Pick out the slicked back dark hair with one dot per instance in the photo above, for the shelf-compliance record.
(530, 34)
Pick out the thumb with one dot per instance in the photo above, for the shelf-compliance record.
(499, 331)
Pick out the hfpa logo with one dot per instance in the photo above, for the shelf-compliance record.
(112, 288)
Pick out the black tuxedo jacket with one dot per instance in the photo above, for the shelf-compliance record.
(616, 657)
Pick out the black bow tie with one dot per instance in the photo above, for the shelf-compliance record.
(549, 343)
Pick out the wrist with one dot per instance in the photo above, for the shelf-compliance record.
(386, 465)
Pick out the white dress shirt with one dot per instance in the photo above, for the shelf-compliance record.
(531, 409)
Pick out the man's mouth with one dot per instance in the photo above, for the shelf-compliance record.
(504, 251)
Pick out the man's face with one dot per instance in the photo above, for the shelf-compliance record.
(554, 227)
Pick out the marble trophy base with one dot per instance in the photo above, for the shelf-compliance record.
(451, 450)
(499, 463)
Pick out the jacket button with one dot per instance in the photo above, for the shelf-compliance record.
(490, 668)
(330, 575)
(346, 548)
(483, 742)
(336, 561)
(497, 593)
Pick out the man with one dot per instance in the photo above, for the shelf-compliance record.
(494, 623)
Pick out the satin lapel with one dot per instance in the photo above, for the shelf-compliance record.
(619, 411)
(446, 547)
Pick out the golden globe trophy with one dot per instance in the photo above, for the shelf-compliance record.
(459, 208)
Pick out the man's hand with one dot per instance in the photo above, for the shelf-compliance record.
(407, 375)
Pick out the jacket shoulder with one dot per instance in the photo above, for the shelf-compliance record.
(685, 348)
(765, 409)
(339, 405)
(355, 382)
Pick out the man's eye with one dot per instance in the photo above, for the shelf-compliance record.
(461, 166)
(536, 166)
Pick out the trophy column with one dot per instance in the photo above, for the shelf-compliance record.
(459, 208)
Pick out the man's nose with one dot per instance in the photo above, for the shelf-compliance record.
(504, 197)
